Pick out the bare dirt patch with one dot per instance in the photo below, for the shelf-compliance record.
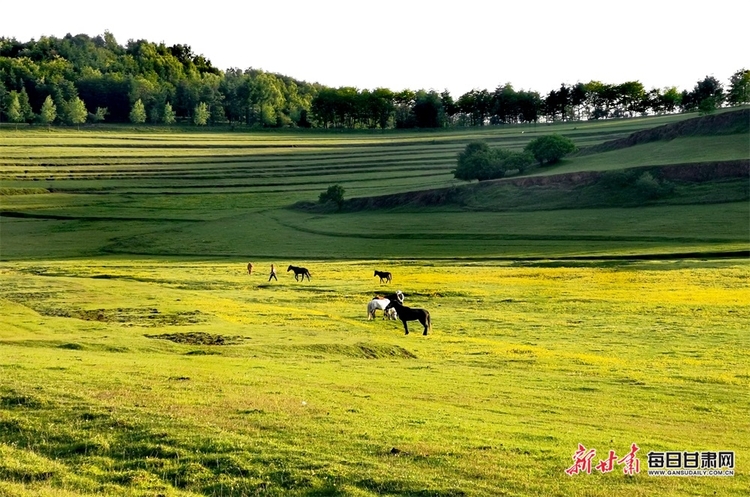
(199, 338)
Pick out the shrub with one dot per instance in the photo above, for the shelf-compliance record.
(619, 178)
(475, 162)
(518, 160)
(335, 194)
(479, 161)
(651, 188)
(637, 184)
(550, 148)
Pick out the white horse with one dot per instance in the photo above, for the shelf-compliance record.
(381, 303)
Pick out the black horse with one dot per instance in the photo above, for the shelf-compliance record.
(384, 276)
(408, 314)
(299, 271)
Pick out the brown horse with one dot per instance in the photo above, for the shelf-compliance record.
(408, 314)
(385, 276)
(299, 271)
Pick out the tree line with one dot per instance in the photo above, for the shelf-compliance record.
(78, 79)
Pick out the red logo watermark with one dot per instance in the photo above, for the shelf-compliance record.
(582, 458)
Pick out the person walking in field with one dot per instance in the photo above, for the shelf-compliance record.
(273, 273)
(250, 268)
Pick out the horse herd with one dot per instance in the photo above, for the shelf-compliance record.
(392, 305)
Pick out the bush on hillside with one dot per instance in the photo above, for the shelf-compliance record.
(550, 148)
(335, 194)
(636, 183)
(479, 161)
(651, 188)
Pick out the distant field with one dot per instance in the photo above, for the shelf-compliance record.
(162, 192)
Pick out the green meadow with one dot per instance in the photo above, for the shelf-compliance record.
(139, 357)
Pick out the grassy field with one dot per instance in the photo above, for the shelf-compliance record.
(138, 357)
(307, 397)
(99, 192)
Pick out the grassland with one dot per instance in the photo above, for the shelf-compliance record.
(309, 398)
(138, 357)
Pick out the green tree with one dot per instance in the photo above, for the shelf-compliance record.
(707, 105)
(3, 99)
(169, 114)
(578, 98)
(381, 106)
(428, 109)
(154, 114)
(48, 113)
(265, 99)
(449, 107)
(520, 161)
(550, 148)
(403, 104)
(323, 107)
(99, 115)
(475, 106)
(601, 99)
(707, 96)
(475, 162)
(26, 110)
(75, 111)
(335, 194)
(631, 96)
(138, 113)
(14, 108)
(739, 88)
(670, 99)
(201, 114)
(232, 86)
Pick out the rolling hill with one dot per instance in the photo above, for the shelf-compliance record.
(680, 186)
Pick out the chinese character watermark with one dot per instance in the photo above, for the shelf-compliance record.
(666, 463)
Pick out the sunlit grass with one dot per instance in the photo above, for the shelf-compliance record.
(524, 362)
(676, 151)
(186, 376)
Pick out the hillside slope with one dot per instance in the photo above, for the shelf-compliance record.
(676, 183)
(727, 123)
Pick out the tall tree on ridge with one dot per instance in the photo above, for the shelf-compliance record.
(739, 88)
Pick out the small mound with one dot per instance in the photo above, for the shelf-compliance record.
(361, 350)
(141, 316)
(199, 338)
(71, 346)
(15, 399)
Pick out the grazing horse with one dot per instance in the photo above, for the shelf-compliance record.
(408, 314)
(380, 303)
(385, 276)
(299, 271)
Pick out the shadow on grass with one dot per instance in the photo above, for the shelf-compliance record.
(50, 440)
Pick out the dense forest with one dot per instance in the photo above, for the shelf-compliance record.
(78, 79)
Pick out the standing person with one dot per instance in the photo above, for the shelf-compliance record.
(250, 268)
(273, 273)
